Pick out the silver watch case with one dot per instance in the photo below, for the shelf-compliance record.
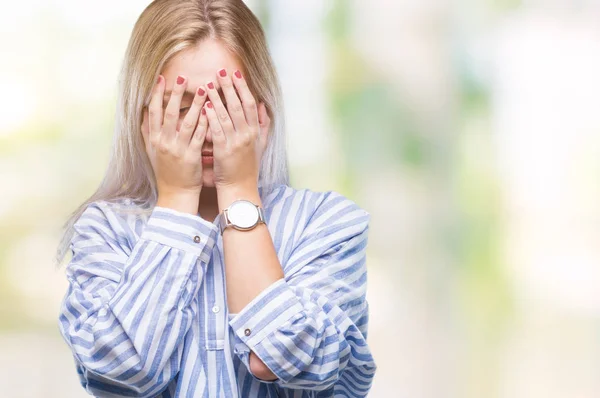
(242, 215)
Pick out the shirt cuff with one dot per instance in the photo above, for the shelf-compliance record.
(266, 313)
(181, 230)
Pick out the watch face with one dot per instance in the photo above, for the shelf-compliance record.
(243, 214)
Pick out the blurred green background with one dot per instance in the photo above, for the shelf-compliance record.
(468, 129)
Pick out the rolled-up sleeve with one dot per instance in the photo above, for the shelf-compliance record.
(310, 327)
(130, 303)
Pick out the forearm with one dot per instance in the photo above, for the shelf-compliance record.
(306, 328)
(251, 264)
(109, 311)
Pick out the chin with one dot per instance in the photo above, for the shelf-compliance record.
(208, 179)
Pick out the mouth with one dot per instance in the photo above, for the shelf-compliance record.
(207, 158)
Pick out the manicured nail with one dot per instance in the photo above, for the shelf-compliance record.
(210, 85)
(180, 80)
(200, 91)
(203, 111)
(222, 73)
(209, 104)
(238, 74)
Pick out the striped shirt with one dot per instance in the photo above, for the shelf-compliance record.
(145, 313)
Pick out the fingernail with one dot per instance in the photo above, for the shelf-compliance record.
(210, 85)
(223, 73)
(209, 104)
(238, 74)
(180, 80)
(200, 91)
(203, 111)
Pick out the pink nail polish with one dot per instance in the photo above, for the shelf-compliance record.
(210, 85)
(180, 80)
(238, 74)
(203, 111)
(200, 91)
(209, 104)
(222, 73)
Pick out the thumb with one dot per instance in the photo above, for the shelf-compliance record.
(145, 127)
(264, 121)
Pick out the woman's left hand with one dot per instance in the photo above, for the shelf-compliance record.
(239, 132)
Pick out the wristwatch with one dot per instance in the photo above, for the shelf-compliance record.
(242, 215)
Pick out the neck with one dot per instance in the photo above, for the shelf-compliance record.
(208, 206)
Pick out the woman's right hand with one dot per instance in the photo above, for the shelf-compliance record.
(175, 151)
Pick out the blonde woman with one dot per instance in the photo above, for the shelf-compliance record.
(196, 270)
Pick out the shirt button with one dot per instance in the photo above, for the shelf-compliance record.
(215, 309)
(197, 239)
(247, 332)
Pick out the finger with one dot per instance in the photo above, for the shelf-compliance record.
(216, 130)
(220, 110)
(191, 119)
(248, 101)
(172, 110)
(155, 109)
(234, 106)
(199, 134)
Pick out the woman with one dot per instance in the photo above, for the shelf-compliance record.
(197, 270)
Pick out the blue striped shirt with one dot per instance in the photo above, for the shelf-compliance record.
(145, 314)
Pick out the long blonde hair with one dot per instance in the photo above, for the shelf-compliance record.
(164, 29)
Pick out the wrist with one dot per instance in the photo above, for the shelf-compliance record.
(228, 194)
(185, 201)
